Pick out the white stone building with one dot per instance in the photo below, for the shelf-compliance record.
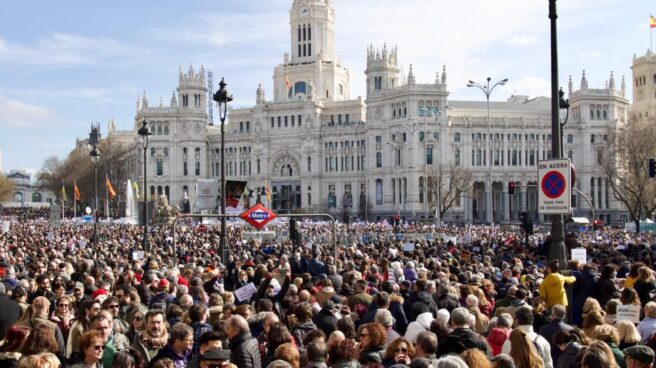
(319, 149)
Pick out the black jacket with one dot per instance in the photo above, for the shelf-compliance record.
(567, 358)
(460, 340)
(325, 321)
(244, 351)
(11, 311)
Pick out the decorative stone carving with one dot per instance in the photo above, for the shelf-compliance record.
(164, 214)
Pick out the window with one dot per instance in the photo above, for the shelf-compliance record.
(421, 136)
(379, 159)
(309, 163)
(570, 138)
(152, 151)
(166, 130)
(197, 168)
(379, 191)
(421, 189)
(160, 168)
(299, 120)
(379, 139)
(272, 122)
(166, 151)
(429, 155)
(456, 137)
(185, 169)
(457, 157)
(159, 130)
(592, 138)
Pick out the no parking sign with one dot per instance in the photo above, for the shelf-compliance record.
(554, 186)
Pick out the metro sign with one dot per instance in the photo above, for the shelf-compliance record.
(258, 216)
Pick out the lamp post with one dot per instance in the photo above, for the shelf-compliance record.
(94, 140)
(557, 249)
(144, 133)
(436, 112)
(487, 91)
(222, 98)
(398, 161)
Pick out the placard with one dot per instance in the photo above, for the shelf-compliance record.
(580, 254)
(5, 227)
(629, 313)
(245, 292)
(409, 247)
(137, 255)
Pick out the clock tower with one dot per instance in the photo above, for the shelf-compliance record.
(311, 71)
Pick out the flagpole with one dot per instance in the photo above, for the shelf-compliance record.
(106, 197)
(74, 200)
(62, 200)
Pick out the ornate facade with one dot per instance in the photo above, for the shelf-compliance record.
(319, 149)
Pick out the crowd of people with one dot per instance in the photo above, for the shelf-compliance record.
(431, 297)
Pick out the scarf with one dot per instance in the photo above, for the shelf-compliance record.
(155, 342)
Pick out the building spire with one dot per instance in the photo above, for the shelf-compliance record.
(443, 74)
(584, 81)
(623, 86)
(411, 76)
(570, 85)
(611, 82)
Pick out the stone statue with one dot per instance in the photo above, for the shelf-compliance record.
(310, 90)
(164, 214)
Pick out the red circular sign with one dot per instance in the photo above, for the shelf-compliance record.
(553, 184)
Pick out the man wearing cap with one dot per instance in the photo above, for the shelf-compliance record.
(639, 356)
(216, 358)
(164, 296)
(210, 340)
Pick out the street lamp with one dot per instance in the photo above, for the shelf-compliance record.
(222, 98)
(144, 133)
(95, 157)
(435, 112)
(487, 90)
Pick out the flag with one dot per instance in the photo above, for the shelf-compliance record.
(76, 192)
(135, 186)
(652, 22)
(268, 193)
(110, 188)
(287, 84)
(63, 192)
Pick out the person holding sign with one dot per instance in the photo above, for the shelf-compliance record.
(552, 288)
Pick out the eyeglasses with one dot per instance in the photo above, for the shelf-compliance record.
(138, 318)
(63, 305)
(402, 350)
(113, 306)
(98, 347)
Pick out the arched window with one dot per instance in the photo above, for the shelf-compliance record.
(456, 137)
(159, 129)
(341, 90)
(152, 151)
(152, 190)
(300, 87)
(36, 197)
(197, 169)
(379, 159)
(166, 130)
(379, 191)
(167, 192)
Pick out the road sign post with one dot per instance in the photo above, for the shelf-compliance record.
(555, 187)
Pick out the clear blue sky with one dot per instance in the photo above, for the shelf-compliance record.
(65, 64)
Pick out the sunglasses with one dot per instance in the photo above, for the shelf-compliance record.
(402, 350)
(63, 305)
(113, 306)
(98, 347)
(138, 318)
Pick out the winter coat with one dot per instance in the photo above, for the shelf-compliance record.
(552, 289)
(644, 290)
(550, 330)
(567, 358)
(420, 297)
(180, 361)
(422, 323)
(447, 302)
(345, 364)
(496, 338)
(396, 308)
(325, 321)
(619, 354)
(584, 287)
(244, 351)
(299, 331)
(459, 340)
(605, 290)
(373, 355)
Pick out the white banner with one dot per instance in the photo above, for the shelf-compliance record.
(628, 312)
(207, 192)
(580, 254)
(245, 292)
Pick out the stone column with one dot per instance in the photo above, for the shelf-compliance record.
(506, 205)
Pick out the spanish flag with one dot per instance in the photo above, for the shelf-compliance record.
(110, 188)
(652, 22)
(76, 192)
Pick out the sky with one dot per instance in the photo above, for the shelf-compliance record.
(67, 64)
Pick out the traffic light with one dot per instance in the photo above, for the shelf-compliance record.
(652, 167)
(511, 188)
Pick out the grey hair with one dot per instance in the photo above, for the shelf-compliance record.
(460, 317)
(505, 320)
(384, 317)
(279, 363)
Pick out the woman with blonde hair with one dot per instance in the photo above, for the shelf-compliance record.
(645, 284)
(483, 303)
(647, 326)
(628, 334)
(523, 351)
(475, 358)
(598, 354)
(592, 320)
(609, 335)
(591, 305)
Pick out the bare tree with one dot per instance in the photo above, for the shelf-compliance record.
(6, 188)
(445, 184)
(629, 149)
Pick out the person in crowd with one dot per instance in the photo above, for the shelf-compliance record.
(500, 333)
(552, 288)
(343, 354)
(10, 345)
(608, 334)
(583, 288)
(461, 337)
(555, 325)
(154, 336)
(525, 324)
(243, 346)
(91, 346)
(85, 312)
(647, 326)
(645, 284)
(303, 312)
(426, 346)
(639, 357)
(628, 334)
(570, 346)
(179, 346)
(216, 358)
(606, 287)
(372, 337)
(400, 351)
(11, 311)
(37, 315)
(523, 350)
(288, 353)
